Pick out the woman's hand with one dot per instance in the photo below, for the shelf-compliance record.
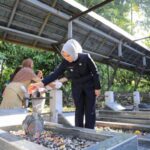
(38, 85)
(55, 85)
(52, 85)
(33, 87)
(62, 80)
(97, 92)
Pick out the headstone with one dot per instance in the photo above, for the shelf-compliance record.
(55, 104)
(110, 103)
(136, 98)
(33, 125)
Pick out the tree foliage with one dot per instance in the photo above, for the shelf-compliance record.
(15, 54)
(130, 15)
(121, 13)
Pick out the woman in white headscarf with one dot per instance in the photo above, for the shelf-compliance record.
(84, 78)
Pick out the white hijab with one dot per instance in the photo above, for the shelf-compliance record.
(72, 47)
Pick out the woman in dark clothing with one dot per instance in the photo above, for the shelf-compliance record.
(85, 81)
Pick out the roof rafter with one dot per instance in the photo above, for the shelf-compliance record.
(44, 23)
(12, 16)
(67, 17)
(27, 35)
(90, 9)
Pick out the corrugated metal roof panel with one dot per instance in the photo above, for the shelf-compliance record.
(37, 23)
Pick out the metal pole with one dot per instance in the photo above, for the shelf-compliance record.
(142, 38)
(120, 49)
(28, 35)
(144, 61)
(92, 8)
(1, 70)
(70, 30)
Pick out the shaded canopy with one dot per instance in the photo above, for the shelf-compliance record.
(43, 23)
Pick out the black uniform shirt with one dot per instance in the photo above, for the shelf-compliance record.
(80, 71)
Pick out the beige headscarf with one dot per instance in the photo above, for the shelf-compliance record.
(27, 63)
(25, 74)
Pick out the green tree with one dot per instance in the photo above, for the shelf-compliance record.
(121, 13)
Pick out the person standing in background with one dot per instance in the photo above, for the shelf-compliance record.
(39, 73)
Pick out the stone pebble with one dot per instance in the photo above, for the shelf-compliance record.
(56, 141)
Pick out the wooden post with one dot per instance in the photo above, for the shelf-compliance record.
(110, 83)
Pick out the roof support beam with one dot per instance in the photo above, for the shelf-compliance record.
(102, 43)
(120, 49)
(80, 23)
(42, 28)
(90, 9)
(12, 16)
(115, 47)
(95, 54)
(107, 36)
(27, 35)
(69, 29)
(147, 37)
(144, 61)
(48, 9)
(13, 13)
(86, 39)
(88, 35)
(116, 61)
(133, 49)
(106, 57)
(45, 22)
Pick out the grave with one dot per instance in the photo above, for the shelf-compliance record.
(102, 140)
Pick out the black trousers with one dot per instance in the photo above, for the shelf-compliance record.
(84, 100)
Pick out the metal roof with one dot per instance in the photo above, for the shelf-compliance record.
(42, 23)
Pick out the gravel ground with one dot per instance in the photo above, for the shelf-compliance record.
(56, 141)
(143, 148)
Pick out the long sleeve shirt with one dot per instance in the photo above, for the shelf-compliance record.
(80, 71)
